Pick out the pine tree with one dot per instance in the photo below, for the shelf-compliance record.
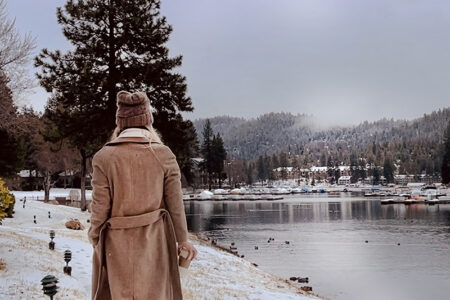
(376, 176)
(275, 161)
(445, 169)
(362, 170)
(268, 165)
(323, 160)
(118, 45)
(219, 155)
(11, 159)
(249, 172)
(261, 168)
(337, 174)
(207, 151)
(388, 170)
(10, 154)
(354, 172)
(283, 164)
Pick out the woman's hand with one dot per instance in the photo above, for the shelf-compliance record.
(189, 248)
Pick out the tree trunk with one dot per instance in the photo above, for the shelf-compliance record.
(83, 205)
(65, 178)
(209, 181)
(47, 181)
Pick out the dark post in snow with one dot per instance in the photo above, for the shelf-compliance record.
(51, 245)
(67, 259)
(49, 286)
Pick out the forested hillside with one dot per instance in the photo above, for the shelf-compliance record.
(414, 145)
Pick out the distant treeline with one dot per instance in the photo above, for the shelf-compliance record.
(414, 146)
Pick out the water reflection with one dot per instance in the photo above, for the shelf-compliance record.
(327, 243)
(205, 216)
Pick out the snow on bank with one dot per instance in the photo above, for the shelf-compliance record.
(54, 192)
(215, 274)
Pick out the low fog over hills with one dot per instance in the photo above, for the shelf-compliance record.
(304, 136)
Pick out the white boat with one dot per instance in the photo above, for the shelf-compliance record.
(432, 201)
(220, 192)
(387, 201)
(205, 195)
(296, 191)
(280, 191)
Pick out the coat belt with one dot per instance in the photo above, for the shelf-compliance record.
(140, 221)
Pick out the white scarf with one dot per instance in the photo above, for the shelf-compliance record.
(136, 132)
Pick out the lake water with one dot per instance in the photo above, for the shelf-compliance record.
(327, 243)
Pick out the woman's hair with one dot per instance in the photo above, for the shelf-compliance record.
(152, 135)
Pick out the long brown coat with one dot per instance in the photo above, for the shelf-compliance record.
(135, 183)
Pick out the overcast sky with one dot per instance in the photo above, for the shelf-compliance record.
(342, 61)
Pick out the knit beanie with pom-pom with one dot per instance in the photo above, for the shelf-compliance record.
(133, 110)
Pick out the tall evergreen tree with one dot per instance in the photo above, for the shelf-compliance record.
(362, 170)
(323, 160)
(354, 171)
(268, 164)
(11, 159)
(261, 169)
(445, 169)
(388, 170)
(337, 174)
(207, 151)
(283, 164)
(249, 172)
(118, 45)
(275, 161)
(219, 155)
(376, 176)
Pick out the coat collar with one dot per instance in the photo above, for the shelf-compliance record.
(120, 140)
(134, 135)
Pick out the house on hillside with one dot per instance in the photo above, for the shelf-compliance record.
(65, 179)
(370, 180)
(199, 176)
(344, 180)
(30, 179)
(315, 169)
(344, 170)
(403, 179)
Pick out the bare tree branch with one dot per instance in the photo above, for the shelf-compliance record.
(15, 53)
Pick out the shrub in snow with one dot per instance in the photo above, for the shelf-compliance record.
(7, 202)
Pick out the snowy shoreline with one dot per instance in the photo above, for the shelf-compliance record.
(216, 274)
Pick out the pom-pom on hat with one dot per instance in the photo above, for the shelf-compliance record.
(133, 110)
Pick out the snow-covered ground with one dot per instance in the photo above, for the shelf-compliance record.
(215, 274)
(54, 192)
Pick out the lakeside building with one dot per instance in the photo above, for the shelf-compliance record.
(29, 179)
(343, 180)
(371, 180)
(403, 179)
(200, 177)
(344, 170)
(288, 171)
(315, 169)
